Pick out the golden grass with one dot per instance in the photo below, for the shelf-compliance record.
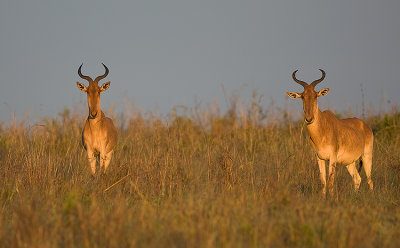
(247, 178)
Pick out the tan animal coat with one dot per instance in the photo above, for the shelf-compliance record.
(334, 140)
(99, 135)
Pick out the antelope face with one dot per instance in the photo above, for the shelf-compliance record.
(93, 92)
(309, 97)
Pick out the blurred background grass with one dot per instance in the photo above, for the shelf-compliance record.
(195, 178)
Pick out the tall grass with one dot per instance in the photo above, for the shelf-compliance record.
(196, 178)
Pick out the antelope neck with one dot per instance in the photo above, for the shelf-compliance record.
(97, 119)
(314, 127)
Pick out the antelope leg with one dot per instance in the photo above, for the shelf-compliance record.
(354, 174)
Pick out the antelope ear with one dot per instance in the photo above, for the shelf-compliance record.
(82, 87)
(293, 94)
(323, 92)
(105, 86)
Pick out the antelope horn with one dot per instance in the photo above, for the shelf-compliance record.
(319, 80)
(87, 78)
(103, 76)
(304, 84)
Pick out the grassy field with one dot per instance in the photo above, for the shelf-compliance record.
(196, 178)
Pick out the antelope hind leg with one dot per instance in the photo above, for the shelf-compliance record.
(331, 175)
(367, 164)
(354, 174)
(105, 160)
(92, 161)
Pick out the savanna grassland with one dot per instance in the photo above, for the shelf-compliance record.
(194, 178)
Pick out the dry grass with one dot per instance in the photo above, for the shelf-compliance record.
(247, 178)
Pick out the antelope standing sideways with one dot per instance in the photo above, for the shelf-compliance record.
(339, 141)
(99, 135)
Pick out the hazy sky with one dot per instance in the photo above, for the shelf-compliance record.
(166, 53)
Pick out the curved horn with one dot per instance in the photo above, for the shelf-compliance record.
(87, 78)
(304, 84)
(319, 80)
(103, 76)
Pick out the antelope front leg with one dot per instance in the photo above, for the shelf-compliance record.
(331, 176)
(322, 171)
(92, 161)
